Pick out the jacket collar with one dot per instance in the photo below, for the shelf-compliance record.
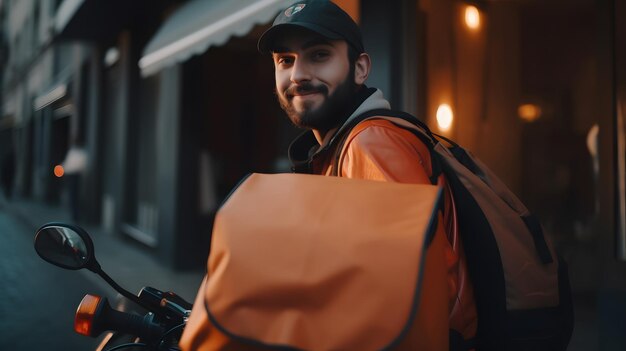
(305, 146)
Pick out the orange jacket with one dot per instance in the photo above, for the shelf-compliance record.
(376, 149)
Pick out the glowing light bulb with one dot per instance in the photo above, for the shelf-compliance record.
(444, 117)
(59, 171)
(472, 17)
(529, 112)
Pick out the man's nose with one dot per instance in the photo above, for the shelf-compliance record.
(300, 72)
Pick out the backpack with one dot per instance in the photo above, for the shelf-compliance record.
(521, 286)
(309, 262)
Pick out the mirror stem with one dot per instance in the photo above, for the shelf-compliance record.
(127, 294)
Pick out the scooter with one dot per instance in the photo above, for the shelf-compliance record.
(165, 314)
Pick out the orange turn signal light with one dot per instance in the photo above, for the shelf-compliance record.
(83, 320)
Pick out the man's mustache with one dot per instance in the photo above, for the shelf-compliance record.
(306, 88)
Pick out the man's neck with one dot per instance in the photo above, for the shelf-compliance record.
(321, 136)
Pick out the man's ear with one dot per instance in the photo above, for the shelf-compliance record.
(362, 68)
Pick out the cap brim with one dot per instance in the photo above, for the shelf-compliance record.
(265, 44)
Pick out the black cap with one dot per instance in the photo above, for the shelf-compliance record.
(320, 16)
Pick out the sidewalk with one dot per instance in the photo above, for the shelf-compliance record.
(131, 265)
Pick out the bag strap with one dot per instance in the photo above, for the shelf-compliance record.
(414, 125)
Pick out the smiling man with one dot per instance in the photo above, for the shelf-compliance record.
(320, 68)
(314, 79)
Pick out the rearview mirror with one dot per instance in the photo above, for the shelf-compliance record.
(65, 246)
(70, 247)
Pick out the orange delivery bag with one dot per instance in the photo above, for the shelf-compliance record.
(308, 262)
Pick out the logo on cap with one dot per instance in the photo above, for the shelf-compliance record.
(294, 9)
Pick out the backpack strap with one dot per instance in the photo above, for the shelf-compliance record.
(402, 120)
(421, 130)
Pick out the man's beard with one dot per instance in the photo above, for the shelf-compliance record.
(329, 114)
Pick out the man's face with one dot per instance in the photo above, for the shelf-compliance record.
(314, 79)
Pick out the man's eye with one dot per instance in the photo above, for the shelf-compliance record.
(320, 55)
(284, 60)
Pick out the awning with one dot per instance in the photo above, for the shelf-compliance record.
(55, 93)
(200, 24)
(65, 13)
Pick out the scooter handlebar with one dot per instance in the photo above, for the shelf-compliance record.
(95, 315)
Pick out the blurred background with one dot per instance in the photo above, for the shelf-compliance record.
(136, 118)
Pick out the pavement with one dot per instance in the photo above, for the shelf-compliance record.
(130, 264)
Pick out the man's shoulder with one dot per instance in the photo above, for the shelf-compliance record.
(379, 127)
(379, 146)
(374, 136)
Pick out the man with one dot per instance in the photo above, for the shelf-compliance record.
(74, 166)
(320, 68)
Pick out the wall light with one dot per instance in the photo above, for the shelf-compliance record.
(58, 171)
(472, 17)
(444, 117)
(529, 112)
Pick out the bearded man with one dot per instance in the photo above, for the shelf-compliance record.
(320, 68)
